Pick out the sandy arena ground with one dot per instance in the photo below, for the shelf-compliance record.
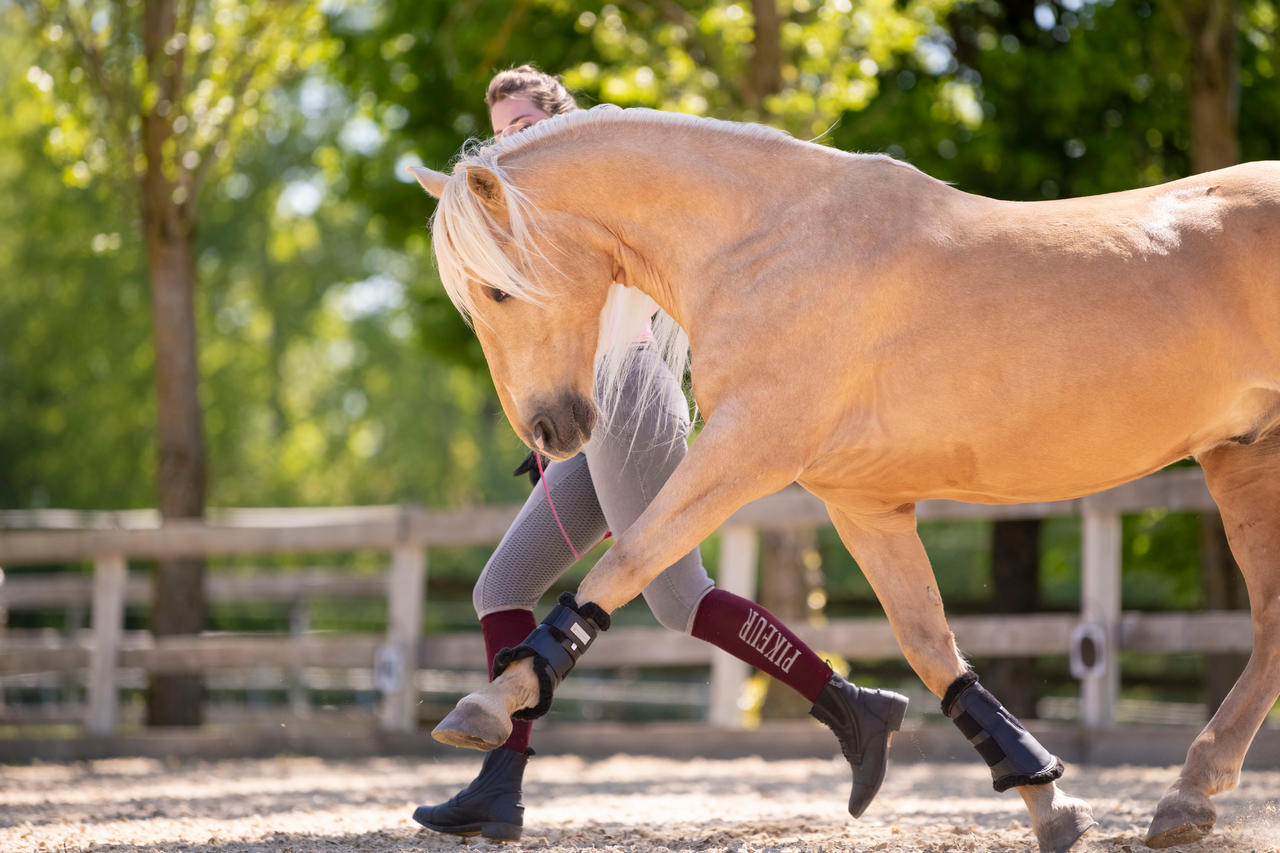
(620, 804)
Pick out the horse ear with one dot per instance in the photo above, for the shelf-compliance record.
(487, 187)
(431, 180)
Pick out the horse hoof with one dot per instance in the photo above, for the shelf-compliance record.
(1071, 819)
(1181, 818)
(477, 722)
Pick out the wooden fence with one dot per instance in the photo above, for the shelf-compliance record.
(1093, 637)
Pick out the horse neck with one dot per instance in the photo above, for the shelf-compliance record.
(674, 199)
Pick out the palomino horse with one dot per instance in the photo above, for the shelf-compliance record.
(883, 338)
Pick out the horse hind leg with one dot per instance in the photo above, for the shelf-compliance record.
(1245, 482)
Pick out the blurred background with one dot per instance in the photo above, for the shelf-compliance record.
(216, 291)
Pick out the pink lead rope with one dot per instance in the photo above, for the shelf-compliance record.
(542, 477)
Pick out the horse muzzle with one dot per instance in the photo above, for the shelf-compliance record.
(559, 430)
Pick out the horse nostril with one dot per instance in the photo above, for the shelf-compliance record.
(541, 433)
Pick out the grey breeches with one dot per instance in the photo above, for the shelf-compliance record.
(605, 487)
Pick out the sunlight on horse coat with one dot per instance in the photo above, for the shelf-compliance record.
(883, 338)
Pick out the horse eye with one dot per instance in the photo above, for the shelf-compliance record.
(497, 295)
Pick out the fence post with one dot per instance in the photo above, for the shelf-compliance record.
(4, 622)
(738, 558)
(1100, 606)
(110, 575)
(299, 625)
(397, 661)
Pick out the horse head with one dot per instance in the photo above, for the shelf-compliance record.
(532, 283)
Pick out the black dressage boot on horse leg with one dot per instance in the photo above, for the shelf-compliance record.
(864, 721)
(1017, 760)
(480, 721)
(489, 806)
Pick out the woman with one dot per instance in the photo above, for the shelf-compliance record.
(641, 439)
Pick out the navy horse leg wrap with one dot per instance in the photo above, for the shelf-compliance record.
(1014, 756)
(555, 647)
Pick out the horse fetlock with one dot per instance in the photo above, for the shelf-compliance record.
(553, 649)
(1183, 816)
(517, 686)
(1221, 780)
(1015, 757)
(1205, 772)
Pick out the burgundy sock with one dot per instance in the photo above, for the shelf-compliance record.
(747, 631)
(507, 629)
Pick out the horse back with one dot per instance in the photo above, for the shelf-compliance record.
(1091, 340)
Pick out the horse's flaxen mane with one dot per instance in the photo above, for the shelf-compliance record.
(585, 121)
(465, 232)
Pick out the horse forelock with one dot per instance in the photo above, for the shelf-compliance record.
(472, 246)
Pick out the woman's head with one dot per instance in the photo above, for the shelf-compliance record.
(521, 97)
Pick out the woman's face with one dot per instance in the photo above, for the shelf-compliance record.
(514, 114)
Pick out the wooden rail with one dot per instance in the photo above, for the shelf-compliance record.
(109, 540)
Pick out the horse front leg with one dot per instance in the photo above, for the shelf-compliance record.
(708, 485)
(891, 556)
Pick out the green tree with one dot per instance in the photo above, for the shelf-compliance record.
(152, 96)
(799, 64)
(419, 71)
(74, 362)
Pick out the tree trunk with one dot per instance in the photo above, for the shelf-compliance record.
(765, 71)
(178, 602)
(1214, 87)
(783, 590)
(1214, 93)
(1015, 588)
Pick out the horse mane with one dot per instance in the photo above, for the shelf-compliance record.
(470, 245)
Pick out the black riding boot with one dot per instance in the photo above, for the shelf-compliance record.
(489, 806)
(862, 720)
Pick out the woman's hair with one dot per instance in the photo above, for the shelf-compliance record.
(545, 91)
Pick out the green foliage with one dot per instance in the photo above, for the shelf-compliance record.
(697, 57)
(1073, 98)
(75, 362)
(97, 84)
(417, 72)
(315, 387)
